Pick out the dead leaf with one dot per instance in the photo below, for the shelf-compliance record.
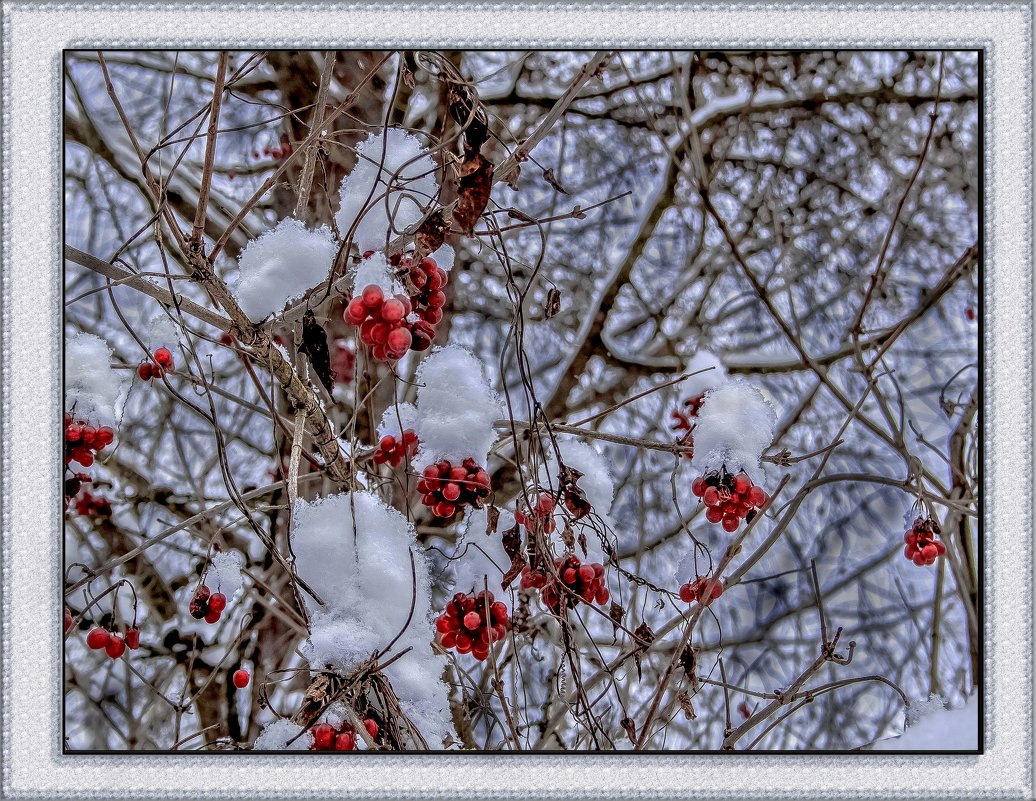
(314, 345)
(431, 234)
(644, 637)
(550, 178)
(616, 613)
(575, 499)
(492, 519)
(685, 704)
(476, 183)
(553, 303)
(631, 729)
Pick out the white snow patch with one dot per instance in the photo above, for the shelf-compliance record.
(281, 265)
(355, 552)
(735, 425)
(227, 567)
(161, 332)
(456, 408)
(393, 156)
(712, 378)
(92, 387)
(375, 271)
(445, 257)
(596, 481)
(405, 413)
(480, 558)
(938, 728)
(275, 737)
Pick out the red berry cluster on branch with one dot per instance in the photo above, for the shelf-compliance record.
(162, 364)
(392, 326)
(580, 582)
(923, 546)
(327, 738)
(208, 605)
(113, 643)
(541, 514)
(472, 623)
(446, 489)
(695, 591)
(90, 505)
(729, 498)
(82, 441)
(395, 449)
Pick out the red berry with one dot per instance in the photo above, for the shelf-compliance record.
(757, 497)
(713, 514)
(218, 602)
(164, 357)
(711, 496)
(730, 523)
(399, 340)
(212, 617)
(742, 483)
(586, 573)
(356, 312)
(371, 726)
(392, 311)
(498, 612)
(698, 487)
(345, 741)
(472, 621)
(116, 646)
(451, 492)
(323, 736)
(97, 639)
(133, 638)
(144, 371)
(241, 678)
(444, 510)
(372, 296)
(686, 595)
(68, 618)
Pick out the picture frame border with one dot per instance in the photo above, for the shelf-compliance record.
(34, 37)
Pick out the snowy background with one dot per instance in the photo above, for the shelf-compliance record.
(806, 158)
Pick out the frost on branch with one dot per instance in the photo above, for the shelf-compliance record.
(281, 265)
(355, 552)
(735, 425)
(456, 408)
(92, 388)
(387, 191)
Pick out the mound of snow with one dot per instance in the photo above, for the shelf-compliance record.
(92, 388)
(281, 265)
(387, 191)
(375, 271)
(275, 737)
(226, 567)
(355, 552)
(456, 408)
(479, 560)
(735, 425)
(715, 374)
(938, 729)
(397, 419)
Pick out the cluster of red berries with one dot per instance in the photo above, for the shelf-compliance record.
(162, 364)
(90, 505)
(923, 546)
(111, 642)
(83, 441)
(392, 326)
(695, 591)
(541, 514)
(729, 498)
(275, 152)
(395, 449)
(73, 484)
(472, 623)
(446, 488)
(207, 605)
(581, 582)
(327, 738)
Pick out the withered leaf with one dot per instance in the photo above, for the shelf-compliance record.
(314, 345)
(550, 178)
(582, 541)
(430, 235)
(616, 613)
(575, 499)
(645, 636)
(686, 705)
(492, 519)
(688, 658)
(631, 729)
(476, 182)
(461, 101)
(516, 214)
(511, 176)
(553, 303)
(512, 542)
(568, 536)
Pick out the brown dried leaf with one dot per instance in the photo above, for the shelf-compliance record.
(645, 636)
(688, 659)
(314, 345)
(492, 519)
(476, 183)
(616, 613)
(568, 536)
(431, 234)
(631, 729)
(550, 178)
(685, 704)
(575, 499)
(553, 303)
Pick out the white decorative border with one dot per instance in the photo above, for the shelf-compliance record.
(33, 36)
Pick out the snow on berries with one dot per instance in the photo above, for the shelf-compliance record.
(576, 582)
(923, 545)
(387, 191)
(735, 424)
(709, 374)
(355, 552)
(94, 391)
(90, 505)
(729, 498)
(281, 266)
(471, 623)
(696, 590)
(341, 737)
(156, 369)
(447, 488)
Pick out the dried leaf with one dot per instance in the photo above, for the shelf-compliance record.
(492, 519)
(582, 541)
(511, 176)
(553, 303)
(644, 636)
(461, 100)
(575, 499)
(512, 542)
(616, 613)
(431, 234)
(631, 729)
(476, 182)
(550, 178)
(314, 345)
(688, 659)
(568, 536)
(685, 704)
